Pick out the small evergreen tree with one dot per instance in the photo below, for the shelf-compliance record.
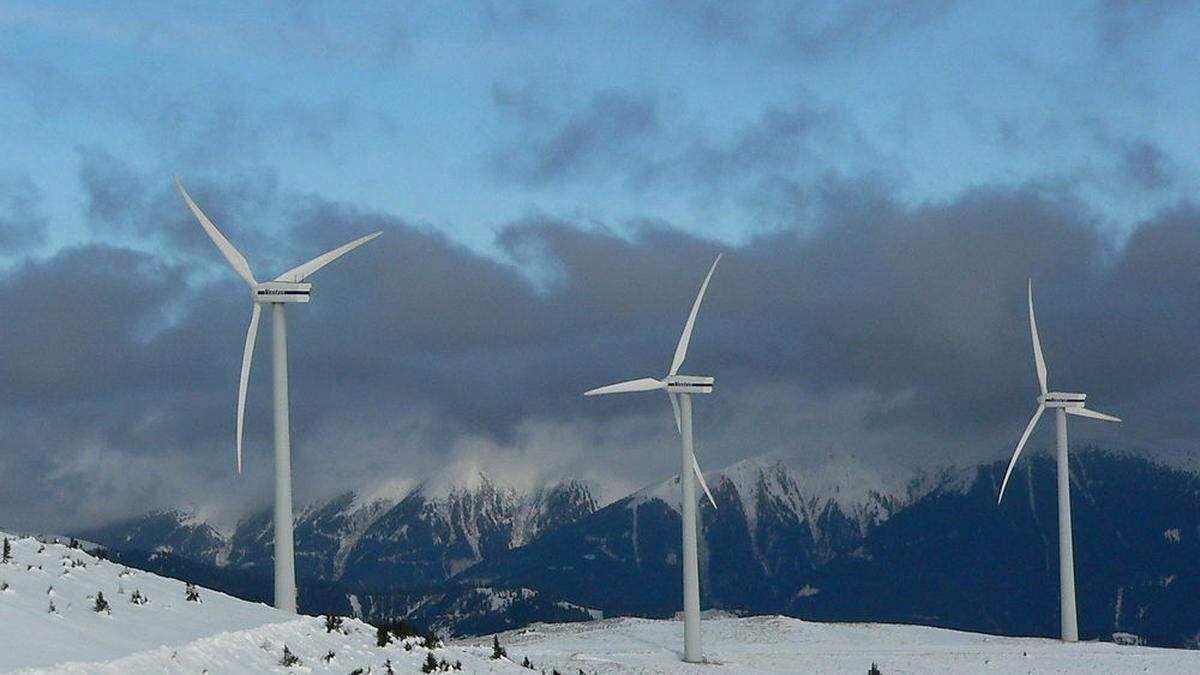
(382, 638)
(526, 663)
(498, 652)
(289, 659)
(191, 593)
(74, 543)
(329, 656)
(388, 667)
(101, 604)
(7, 555)
(53, 609)
(138, 598)
(874, 669)
(3, 586)
(333, 623)
(431, 664)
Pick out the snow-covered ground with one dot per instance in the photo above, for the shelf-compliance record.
(775, 644)
(222, 634)
(168, 634)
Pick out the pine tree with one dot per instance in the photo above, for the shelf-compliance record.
(101, 604)
(381, 636)
(191, 593)
(874, 669)
(388, 665)
(526, 663)
(498, 652)
(329, 656)
(289, 659)
(333, 623)
(7, 555)
(53, 609)
(431, 664)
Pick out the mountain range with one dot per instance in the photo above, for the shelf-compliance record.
(840, 543)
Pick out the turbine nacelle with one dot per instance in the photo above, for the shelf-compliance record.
(688, 384)
(282, 291)
(1058, 399)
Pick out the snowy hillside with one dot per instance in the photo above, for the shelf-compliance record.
(767, 645)
(168, 633)
(219, 634)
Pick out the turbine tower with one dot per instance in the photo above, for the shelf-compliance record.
(287, 287)
(679, 389)
(1064, 404)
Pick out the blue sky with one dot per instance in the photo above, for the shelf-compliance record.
(399, 108)
(552, 178)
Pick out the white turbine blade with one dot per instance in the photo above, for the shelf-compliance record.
(1085, 412)
(231, 254)
(1024, 437)
(675, 409)
(301, 272)
(1038, 360)
(644, 384)
(244, 381)
(703, 484)
(682, 347)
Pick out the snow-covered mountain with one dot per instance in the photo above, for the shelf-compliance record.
(836, 541)
(412, 539)
(773, 525)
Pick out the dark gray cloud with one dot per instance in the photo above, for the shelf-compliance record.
(1121, 20)
(21, 221)
(611, 128)
(789, 32)
(890, 329)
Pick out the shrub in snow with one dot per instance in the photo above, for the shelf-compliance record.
(498, 652)
(387, 665)
(190, 593)
(3, 586)
(7, 555)
(382, 637)
(527, 663)
(874, 669)
(329, 656)
(289, 659)
(53, 609)
(101, 604)
(137, 598)
(431, 664)
(333, 623)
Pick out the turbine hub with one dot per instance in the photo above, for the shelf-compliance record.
(689, 384)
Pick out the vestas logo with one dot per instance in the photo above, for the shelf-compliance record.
(280, 291)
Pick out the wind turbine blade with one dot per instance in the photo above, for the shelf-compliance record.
(644, 384)
(1020, 446)
(244, 381)
(301, 272)
(236, 259)
(703, 484)
(675, 409)
(682, 347)
(1038, 360)
(1085, 412)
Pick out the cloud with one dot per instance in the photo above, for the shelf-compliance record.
(788, 32)
(890, 330)
(21, 223)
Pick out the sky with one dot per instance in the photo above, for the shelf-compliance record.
(553, 180)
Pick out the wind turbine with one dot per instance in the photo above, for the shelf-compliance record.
(1064, 404)
(679, 389)
(287, 287)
